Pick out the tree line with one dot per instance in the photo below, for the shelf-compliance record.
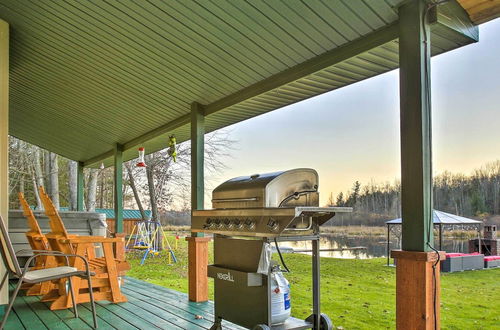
(162, 185)
(476, 195)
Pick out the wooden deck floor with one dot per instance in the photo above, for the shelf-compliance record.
(149, 307)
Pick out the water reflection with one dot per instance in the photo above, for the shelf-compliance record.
(376, 246)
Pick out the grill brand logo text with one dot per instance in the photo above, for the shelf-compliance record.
(225, 277)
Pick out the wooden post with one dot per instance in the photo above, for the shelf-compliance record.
(417, 268)
(4, 138)
(79, 187)
(197, 244)
(118, 188)
(416, 288)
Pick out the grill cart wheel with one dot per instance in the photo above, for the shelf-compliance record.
(325, 322)
(217, 325)
(261, 327)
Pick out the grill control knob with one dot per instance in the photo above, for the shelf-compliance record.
(273, 224)
(237, 223)
(249, 224)
(208, 224)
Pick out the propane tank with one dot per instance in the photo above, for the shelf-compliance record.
(280, 297)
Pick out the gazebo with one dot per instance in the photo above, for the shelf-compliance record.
(439, 219)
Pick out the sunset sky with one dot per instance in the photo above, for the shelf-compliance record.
(353, 133)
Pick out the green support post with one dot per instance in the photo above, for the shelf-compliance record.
(416, 140)
(197, 158)
(197, 243)
(118, 188)
(79, 187)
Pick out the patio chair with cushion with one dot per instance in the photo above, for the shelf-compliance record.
(40, 275)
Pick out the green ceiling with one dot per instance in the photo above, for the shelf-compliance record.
(86, 75)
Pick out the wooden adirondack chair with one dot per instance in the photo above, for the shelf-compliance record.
(105, 282)
(38, 242)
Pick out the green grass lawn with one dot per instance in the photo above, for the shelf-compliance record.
(358, 294)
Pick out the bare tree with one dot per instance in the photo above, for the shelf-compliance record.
(131, 182)
(54, 179)
(37, 164)
(72, 184)
(92, 189)
(46, 169)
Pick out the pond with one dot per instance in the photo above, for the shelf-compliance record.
(374, 246)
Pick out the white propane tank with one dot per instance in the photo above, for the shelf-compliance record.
(280, 297)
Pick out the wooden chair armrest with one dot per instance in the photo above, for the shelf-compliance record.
(92, 239)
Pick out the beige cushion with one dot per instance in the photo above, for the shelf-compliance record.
(49, 272)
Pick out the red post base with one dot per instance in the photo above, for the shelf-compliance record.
(197, 268)
(418, 290)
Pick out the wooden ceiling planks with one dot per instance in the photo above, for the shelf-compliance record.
(481, 11)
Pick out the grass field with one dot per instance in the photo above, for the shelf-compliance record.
(358, 294)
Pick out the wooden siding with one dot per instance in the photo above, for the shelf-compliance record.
(149, 307)
(128, 225)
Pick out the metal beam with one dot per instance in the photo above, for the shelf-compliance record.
(449, 19)
(118, 188)
(415, 111)
(171, 125)
(97, 159)
(4, 140)
(452, 17)
(301, 70)
(79, 187)
(318, 63)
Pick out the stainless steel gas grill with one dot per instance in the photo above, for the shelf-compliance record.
(249, 213)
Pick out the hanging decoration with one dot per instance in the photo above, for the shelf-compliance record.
(172, 147)
(102, 166)
(141, 162)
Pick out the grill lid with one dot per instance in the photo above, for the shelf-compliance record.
(297, 187)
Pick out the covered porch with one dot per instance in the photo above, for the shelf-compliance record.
(93, 81)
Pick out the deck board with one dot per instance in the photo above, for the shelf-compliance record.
(149, 307)
(49, 319)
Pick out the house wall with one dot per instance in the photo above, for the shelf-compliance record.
(4, 137)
